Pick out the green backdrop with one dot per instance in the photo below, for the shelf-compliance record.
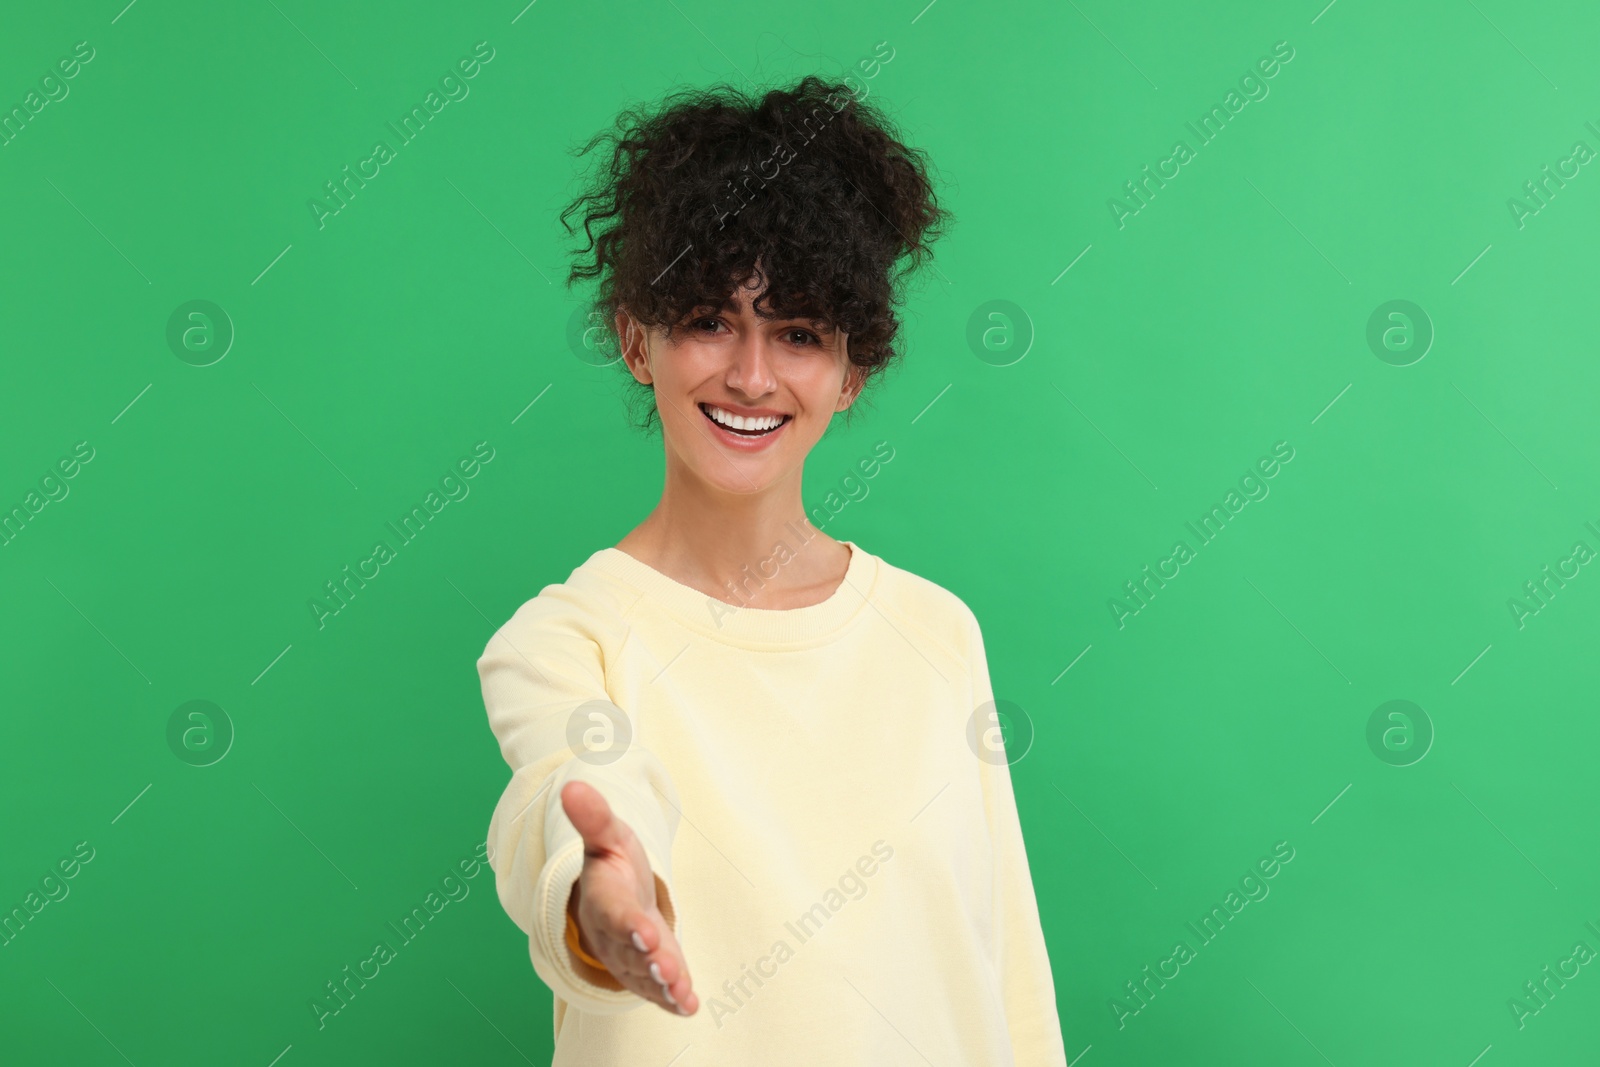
(1349, 324)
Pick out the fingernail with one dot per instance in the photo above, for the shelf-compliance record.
(670, 998)
(681, 1010)
(638, 942)
(655, 972)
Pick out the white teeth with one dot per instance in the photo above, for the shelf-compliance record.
(740, 422)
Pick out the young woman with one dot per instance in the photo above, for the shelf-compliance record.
(755, 789)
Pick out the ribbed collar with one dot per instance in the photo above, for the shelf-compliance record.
(749, 627)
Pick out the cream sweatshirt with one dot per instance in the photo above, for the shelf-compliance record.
(845, 874)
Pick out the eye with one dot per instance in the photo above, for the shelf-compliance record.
(803, 334)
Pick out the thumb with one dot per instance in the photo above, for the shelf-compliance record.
(591, 816)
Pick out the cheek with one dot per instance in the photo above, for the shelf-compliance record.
(819, 382)
(686, 367)
(665, 372)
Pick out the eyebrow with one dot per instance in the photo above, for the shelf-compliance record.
(729, 305)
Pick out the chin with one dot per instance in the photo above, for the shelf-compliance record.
(739, 478)
(746, 466)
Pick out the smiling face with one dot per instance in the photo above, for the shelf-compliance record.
(742, 399)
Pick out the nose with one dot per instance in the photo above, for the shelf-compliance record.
(750, 370)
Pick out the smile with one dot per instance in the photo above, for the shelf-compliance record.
(742, 425)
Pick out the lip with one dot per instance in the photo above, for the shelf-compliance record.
(749, 413)
(740, 443)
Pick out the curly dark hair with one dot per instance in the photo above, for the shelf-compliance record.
(808, 189)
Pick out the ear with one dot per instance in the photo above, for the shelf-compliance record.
(855, 377)
(634, 345)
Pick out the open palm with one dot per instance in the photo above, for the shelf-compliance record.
(614, 902)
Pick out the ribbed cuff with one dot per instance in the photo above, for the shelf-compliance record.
(549, 939)
(555, 887)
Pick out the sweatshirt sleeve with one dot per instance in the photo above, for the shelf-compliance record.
(544, 689)
(1020, 958)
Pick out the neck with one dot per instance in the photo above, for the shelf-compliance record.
(714, 540)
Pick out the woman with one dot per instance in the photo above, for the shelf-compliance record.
(748, 785)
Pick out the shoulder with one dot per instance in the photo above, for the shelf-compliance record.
(589, 605)
(933, 608)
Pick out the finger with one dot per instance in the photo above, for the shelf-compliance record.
(657, 950)
(641, 952)
(649, 990)
(680, 994)
(653, 991)
(629, 967)
(621, 941)
(616, 927)
(641, 975)
(591, 816)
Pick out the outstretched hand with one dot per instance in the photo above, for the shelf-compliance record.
(614, 902)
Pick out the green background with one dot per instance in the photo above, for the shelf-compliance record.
(1230, 313)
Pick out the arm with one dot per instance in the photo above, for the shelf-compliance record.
(544, 690)
(1020, 958)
